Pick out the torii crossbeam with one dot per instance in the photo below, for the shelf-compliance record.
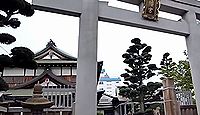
(90, 11)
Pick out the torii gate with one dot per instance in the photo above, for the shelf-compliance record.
(90, 11)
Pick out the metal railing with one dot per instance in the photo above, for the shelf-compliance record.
(184, 97)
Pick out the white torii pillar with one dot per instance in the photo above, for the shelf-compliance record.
(193, 47)
(87, 60)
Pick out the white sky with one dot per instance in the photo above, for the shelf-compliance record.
(113, 39)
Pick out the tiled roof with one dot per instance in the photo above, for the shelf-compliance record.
(59, 53)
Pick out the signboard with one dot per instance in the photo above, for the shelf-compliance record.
(151, 9)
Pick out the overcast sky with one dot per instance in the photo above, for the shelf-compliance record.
(113, 39)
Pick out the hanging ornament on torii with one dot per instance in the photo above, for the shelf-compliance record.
(151, 9)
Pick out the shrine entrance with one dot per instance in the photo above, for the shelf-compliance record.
(92, 11)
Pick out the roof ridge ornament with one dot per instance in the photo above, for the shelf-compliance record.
(151, 10)
(51, 43)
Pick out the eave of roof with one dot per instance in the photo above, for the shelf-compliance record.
(110, 79)
(56, 61)
(53, 77)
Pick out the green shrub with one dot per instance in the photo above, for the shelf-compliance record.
(98, 113)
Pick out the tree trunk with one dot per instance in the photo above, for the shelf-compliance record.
(24, 75)
(141, 107)
(34, 72)
(141, 102)
(1, 70)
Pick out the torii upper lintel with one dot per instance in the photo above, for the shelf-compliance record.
(69, 7)
(114, 15)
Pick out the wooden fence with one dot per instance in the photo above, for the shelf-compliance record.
(188, 110)
(62, 97)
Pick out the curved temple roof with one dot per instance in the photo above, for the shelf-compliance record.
(51, 48)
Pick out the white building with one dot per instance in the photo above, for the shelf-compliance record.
(109, 84)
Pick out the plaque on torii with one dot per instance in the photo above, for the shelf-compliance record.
(151, 9)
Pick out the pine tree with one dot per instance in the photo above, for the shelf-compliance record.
(137, 57)
(8, 8)
(180, 72)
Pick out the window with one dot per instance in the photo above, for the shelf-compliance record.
(104, 100)
(109, 87)
(100, 88)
